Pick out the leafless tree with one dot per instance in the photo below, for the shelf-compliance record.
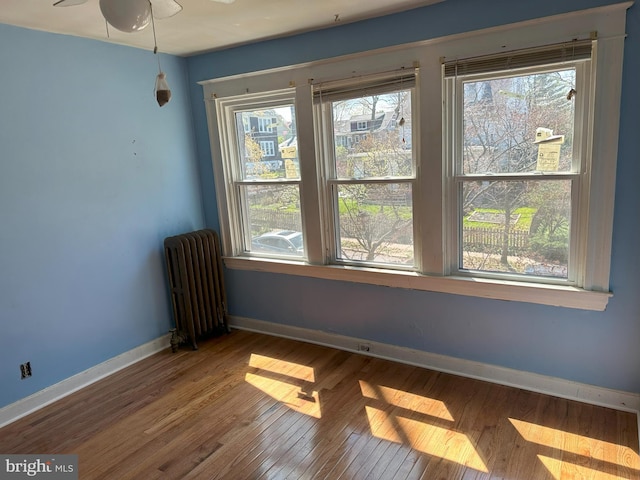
(500, 121)
(376, 218)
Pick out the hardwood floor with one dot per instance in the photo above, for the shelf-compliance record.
(251, 406)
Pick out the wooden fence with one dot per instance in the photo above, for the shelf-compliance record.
(263, 221)
(475, 239)
(483, 238)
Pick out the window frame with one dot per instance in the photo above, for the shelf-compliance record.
(455, 177)
(431, 150)
(237, 238)
(323, 115)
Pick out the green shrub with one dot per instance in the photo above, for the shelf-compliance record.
(554, 248)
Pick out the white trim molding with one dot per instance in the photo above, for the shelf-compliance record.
(544, 294)
(591, 394)
(44, 397)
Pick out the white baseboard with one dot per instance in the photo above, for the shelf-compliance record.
(27, 405)
(534, 382)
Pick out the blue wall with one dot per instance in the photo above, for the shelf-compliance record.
(93, 176)
(599, 348)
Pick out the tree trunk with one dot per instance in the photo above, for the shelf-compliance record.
(504, 259)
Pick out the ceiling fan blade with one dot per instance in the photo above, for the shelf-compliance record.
(165, 8)
(68, 3)
(223, 1)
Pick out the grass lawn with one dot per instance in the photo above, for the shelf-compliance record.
(525, 216)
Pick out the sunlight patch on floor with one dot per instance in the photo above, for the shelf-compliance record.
(563, 470)
(281, 367)
(410, 401)
(573, 443)
(291, 395)
(430, 439)
(422, 435)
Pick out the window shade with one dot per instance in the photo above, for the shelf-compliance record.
(558, 53)
(365, 85)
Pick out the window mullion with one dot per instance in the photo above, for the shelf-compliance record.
(600, 178)
(222, 179)
(234, 201)
(311, 205)
(327, 169)
(452, 124)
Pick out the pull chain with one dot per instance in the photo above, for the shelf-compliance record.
(155, 40)
(163, 93)
(401, 98)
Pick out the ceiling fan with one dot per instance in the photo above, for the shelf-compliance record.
(133, 15)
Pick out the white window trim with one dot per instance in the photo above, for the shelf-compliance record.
(608, 21)
(544, 294)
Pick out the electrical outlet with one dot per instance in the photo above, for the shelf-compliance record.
(25, 370)
(364, 347)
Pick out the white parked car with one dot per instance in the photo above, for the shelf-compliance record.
(285, 242)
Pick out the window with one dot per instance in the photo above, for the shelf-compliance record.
(370, 183)
(268, 148)
(518, 157)
(266, 190)
(265, 124)
(441, 166)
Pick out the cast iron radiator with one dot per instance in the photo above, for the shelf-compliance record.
(196, 283)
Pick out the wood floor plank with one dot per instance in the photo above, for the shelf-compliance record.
(274, 446)
(326, 446)
(378, 424)
(461, 449)
(411, 404)
(344, 405)
(251, 406)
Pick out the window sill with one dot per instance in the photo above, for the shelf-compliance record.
(554, 295)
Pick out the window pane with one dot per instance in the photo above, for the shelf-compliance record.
(372, 136)
(267, 143)
(516, 227)
(274, 220)
(503, 117)
(375, 223)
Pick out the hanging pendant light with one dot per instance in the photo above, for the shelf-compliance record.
(126, 15)
(162, 90)
(163, 93)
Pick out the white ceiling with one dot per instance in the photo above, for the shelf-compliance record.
(203, 25)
